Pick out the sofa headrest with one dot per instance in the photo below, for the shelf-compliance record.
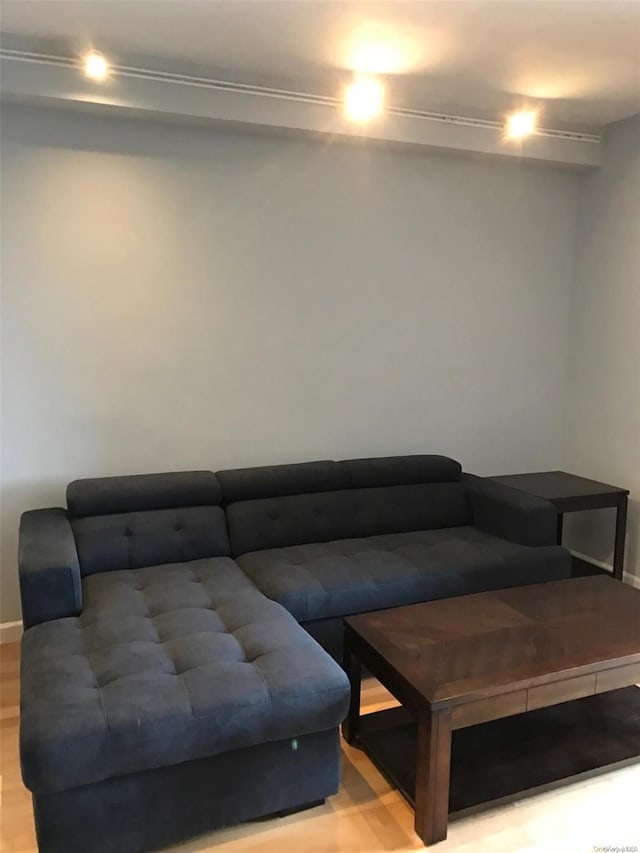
(402, 470)
(274, 481)
(138, 492)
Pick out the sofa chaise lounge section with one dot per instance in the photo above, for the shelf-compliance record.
(163, 695)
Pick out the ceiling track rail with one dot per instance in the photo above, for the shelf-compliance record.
(282, 94)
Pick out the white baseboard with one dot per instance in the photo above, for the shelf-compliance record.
(10, 632)
(627, 577)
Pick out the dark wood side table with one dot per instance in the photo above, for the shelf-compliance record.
(569, 493)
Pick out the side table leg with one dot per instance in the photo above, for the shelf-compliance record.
(621, 529)
(353, 668)
(559, 527)
(433, 763)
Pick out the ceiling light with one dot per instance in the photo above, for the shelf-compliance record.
(96, 66)
(520, 124)
(364, 99)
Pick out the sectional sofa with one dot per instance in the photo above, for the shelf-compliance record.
(178, 669)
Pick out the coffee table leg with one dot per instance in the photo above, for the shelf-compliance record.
(433, 763)
(621, 529)
(353, 668)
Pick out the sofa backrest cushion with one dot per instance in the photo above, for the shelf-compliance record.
(351, 513)
(147, 520)
(106, 495)
(272, 481)
(402, 470)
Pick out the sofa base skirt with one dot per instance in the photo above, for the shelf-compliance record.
(330, 634)
(156, 808)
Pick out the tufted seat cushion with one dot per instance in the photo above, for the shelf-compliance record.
(346, 576)
(167, 664)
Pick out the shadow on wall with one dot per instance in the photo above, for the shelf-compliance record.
(23, 124)
(153, 137)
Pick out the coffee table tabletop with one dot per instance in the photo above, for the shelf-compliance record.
(459, 650)
(460, 662)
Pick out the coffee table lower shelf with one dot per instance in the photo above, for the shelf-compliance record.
(503, 760)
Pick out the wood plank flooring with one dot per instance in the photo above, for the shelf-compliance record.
(367, 815)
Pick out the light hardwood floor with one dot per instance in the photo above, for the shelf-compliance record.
(367, 815)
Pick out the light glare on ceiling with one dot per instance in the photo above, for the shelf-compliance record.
(375, 58)
(96, 66)
(521, 124)
(380, 47)
(364, 99)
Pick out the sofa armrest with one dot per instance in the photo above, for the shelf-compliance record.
(510, 513)
(48, 567)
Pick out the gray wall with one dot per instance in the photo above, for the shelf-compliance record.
(179, 297)
(603, 403)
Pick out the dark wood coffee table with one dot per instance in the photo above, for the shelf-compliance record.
(504, 668)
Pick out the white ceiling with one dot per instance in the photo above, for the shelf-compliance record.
(578, 59)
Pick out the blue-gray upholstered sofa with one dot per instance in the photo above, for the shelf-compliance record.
(169, 686)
